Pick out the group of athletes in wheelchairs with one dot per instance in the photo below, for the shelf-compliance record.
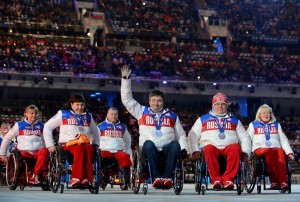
(87, 156)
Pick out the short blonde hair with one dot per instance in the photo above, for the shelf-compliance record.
(265, 106)
(31, 107)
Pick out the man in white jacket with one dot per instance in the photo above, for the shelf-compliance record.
(115, 141)
(219, 133)
(160, 131)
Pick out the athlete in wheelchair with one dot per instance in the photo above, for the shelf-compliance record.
(271, 150)
(27, 164)
(203, 177)
(75, 161)
(115, 143)
(5, 127)
(161, 133)
(143, 172)
(220, 135)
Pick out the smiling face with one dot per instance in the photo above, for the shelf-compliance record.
(77, 107)
(156, 103)
(32, 115)
(220, 108)
(265, 115)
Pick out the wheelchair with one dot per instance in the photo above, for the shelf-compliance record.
(257, 173)
(2, 174)
(61, 170)
(202, 177)
(19, 169)
(141, 173)
(113, 174)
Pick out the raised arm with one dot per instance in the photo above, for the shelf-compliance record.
(131, 104)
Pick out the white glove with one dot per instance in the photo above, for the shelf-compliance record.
(125, 71)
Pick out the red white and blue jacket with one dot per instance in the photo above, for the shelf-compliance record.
(171, 127)
(278, 139)
(205, 131)
(114, 137)
(71, 125)
(29, 137)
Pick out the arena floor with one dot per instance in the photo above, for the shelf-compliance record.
(188, 194)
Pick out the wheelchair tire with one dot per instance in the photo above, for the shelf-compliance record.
(103, 183)
(22, 187)
(61, 188)
(54, 172)
(203, 190)
(145, 189)
(202, 174)
(45, 187)
(259, 189)
(198, 176)
(289, 180)
(13, 169)
(179, 177)
(251, 174)
(136, 175)
(2, 175)
(125, 178)
(239, 189)
(96, 171)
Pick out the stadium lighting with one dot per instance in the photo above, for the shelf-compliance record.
(165, 82)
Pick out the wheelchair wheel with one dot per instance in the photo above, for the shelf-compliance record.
(178, 177)
(289, 175)
(137, 170)
(251, 173)
(103, 183)
(54, 172)
(124, 175)
(13, 170)
(200, 172)
(2, 175)
(45, 187)
(145, 189)
(103, 173)
(22, 187)
(96, 172)
(240, 178)
(198, 178)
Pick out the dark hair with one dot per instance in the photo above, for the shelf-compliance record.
(157, 93)
(112, 108)
(75, 98)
